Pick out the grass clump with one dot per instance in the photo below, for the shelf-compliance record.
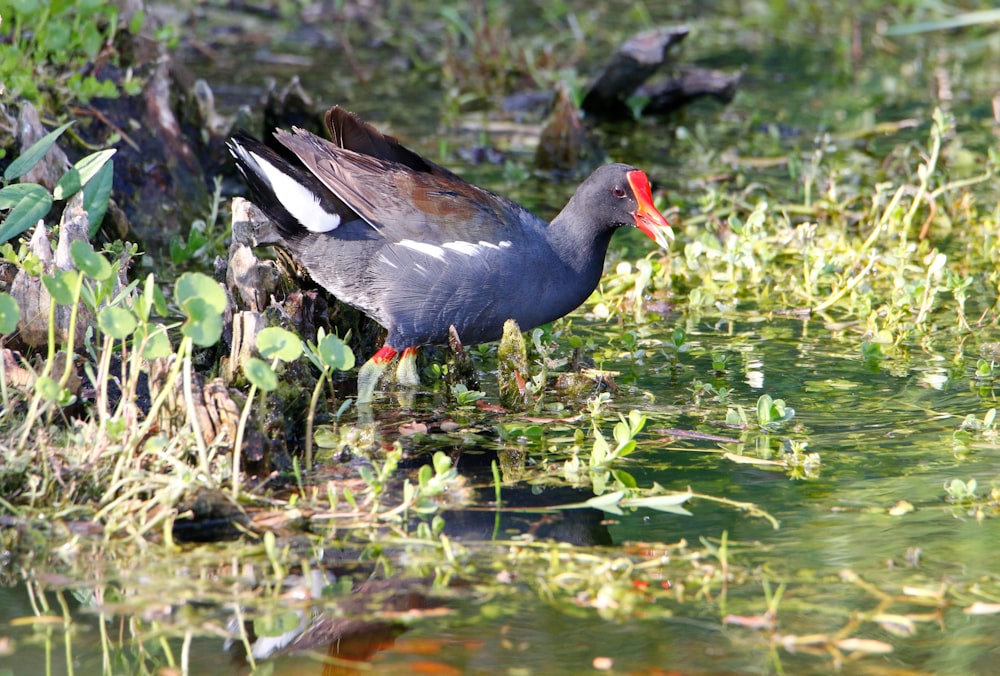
(56, 50)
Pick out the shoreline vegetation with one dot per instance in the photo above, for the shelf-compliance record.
(181, 411)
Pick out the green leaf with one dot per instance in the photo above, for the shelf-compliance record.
(442, 463)
(47, 388)
(33, 155)
(117, 322)
(275, 341)
(96, 195)
(10, 313)
(204, 324)
(135, 24)
(764, 409)
(626, 479)
(335, 353)
(636, 421)
(601, 449)
(663, 503)
(202, 301)
(626, 449)
(81, 173)
(325, 437)
(197, 285)
(157, 344)
(159, 300)
(34, 204)
(88, 261)
(424, 475)
(62, 286)
(621, 433)
(143, 303)
(12, 194)
(260, 373)
(607, 503)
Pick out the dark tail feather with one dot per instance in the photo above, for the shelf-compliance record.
(349, 131)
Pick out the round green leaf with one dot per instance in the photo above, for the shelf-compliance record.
(204, 324)
(275, 341)
(260, 373)
(157, 344)
(89, 262)
(202, 300)
(335, 353)
(116, 322)
(160, 302)
(61, 285)
(195, 285)
(10, 313)
(47, 388)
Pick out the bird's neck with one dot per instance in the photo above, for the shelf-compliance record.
(581, 249)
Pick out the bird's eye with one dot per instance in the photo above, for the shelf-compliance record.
(618, 191)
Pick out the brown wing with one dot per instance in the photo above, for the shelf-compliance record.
(402, 203)
(351, 132)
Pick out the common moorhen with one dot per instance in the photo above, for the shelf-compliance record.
(418, 249)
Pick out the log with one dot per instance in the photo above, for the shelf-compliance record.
(634, 63)
(513, 374)
(694, 83)
(565, 143)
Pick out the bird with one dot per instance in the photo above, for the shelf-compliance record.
(419, 250)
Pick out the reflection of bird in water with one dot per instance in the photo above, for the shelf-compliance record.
(353, 628)
(356, 625)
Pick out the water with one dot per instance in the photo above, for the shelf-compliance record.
(874, 542)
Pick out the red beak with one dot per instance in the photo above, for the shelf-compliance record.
(647, 217)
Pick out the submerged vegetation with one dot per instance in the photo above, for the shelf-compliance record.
(780, 436)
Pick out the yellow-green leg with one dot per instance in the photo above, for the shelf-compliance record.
(406, 371)
(370, 372)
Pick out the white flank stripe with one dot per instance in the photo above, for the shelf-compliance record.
(298, 200)
(424, 248)
(504, 244)
(467, 248)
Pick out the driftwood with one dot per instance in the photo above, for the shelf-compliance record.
(512, 369)
(267, 292)
(32, 296)
(693, 83)
(461, 370)
(214, 406)
(209, 515)
(250, 285)
(159, 179)
(634, 63)
(566, 143)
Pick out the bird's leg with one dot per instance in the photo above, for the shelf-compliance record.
(406, 371)
(369, 373)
